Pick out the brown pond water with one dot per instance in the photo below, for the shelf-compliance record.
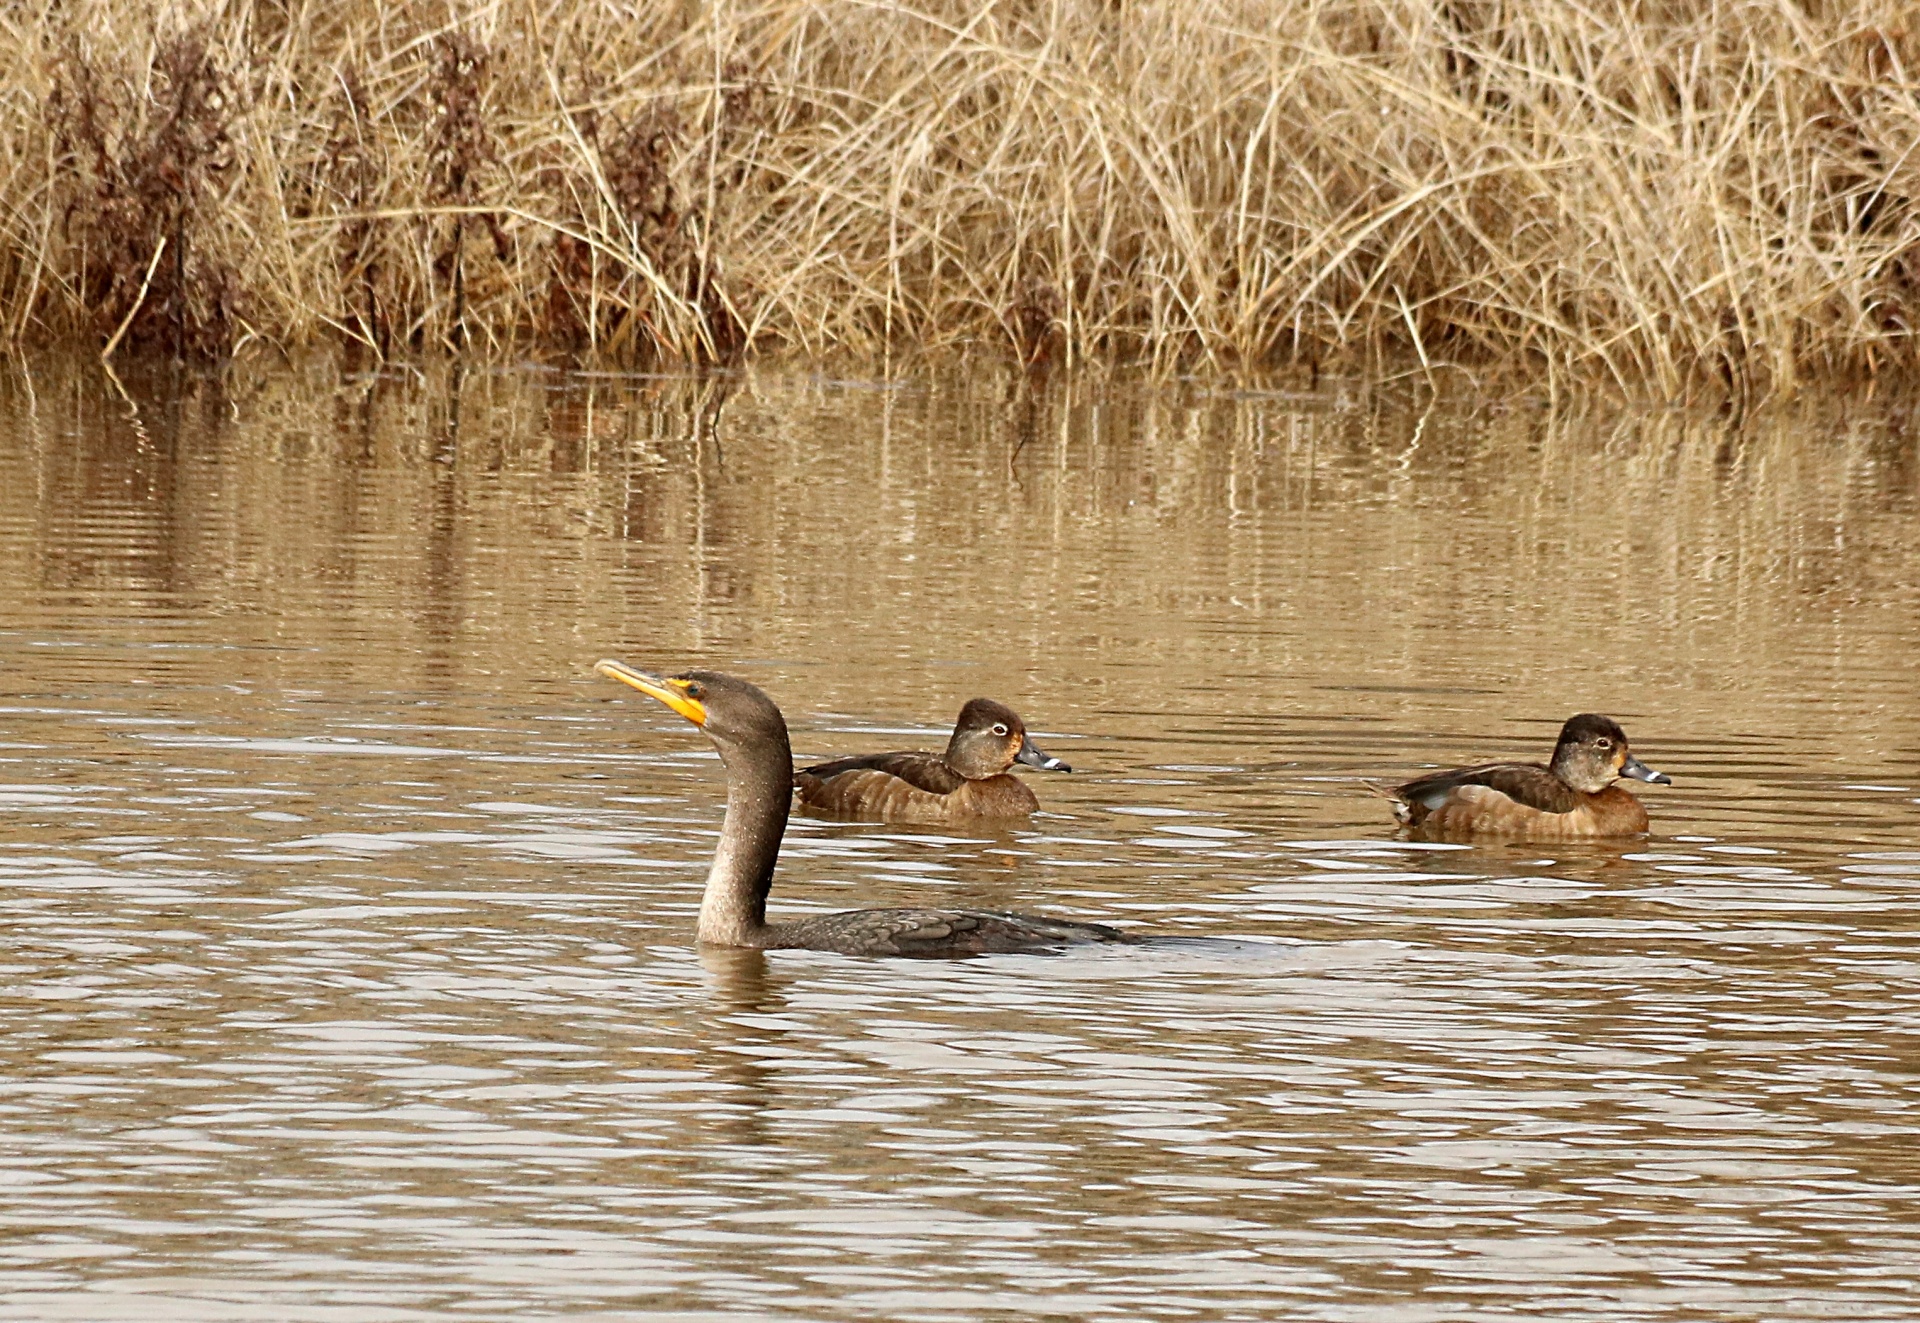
(346, 951)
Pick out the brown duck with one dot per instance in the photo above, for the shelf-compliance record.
(1572, 798)
(970, 780)
(751, 737)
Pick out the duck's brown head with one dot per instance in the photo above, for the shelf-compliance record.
(989, 738)
(1592, 754)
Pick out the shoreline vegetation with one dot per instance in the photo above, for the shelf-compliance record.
(1670, 199)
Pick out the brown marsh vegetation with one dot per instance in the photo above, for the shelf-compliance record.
(1669, 196)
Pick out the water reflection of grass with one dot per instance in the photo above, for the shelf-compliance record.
(1670, 196)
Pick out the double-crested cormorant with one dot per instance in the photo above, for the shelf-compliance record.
(970, 780)
(1572, 798)
(751, 737)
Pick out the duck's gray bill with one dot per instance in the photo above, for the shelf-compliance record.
(1030, 755)
(1639, 771)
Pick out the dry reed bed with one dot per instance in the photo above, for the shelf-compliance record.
(1666, 196)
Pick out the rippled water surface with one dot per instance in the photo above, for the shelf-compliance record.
(347, 958)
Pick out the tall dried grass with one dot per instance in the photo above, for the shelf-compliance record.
(1665, 195)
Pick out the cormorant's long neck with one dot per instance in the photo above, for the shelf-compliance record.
(759, 792)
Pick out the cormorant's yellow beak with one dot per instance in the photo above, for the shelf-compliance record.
(672, 692)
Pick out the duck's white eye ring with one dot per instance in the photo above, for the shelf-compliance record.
(999, 728)
(1603, 743)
